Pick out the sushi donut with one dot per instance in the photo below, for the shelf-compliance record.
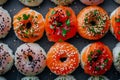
(117, 1)
(30, 78)
(30, 59)
(2, 78)
(93, 22)
(5, 22)
(115, 23)
(62, 58)
(31, 3)
(2, 2)
(67, 77)
(62, 2)
(61, 24)
(96, 59)
(116, 56)
(28, 25)
(92, 2)
(98, 78)
(6, 58)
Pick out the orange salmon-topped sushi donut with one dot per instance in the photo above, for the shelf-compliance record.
(61, 24)
(96, 59)
(28, 25)
(93, 22)
(115, 23)
(62, 58)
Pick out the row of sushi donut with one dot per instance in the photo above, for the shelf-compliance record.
(66, 77)
(62, 58)
(61, 23)
(33, 3)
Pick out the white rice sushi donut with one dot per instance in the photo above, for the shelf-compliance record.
(2, 2)
(62, 2)
(98, 78)
(116, 56)
(5, 22)
(31, 3)
(30, 78)
(30, 59)
(92, 2)
(6, 58)
(67, 77)
(117, 1)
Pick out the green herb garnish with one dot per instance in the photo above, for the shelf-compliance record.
(26, 17)
(99, 51)
(106, 61)
(117, 19)
(68, 22)
(19, 18)
(68, 13)
(64, 32)
(95, 12)
(52, 27)
(89, 58)
(53, 12)
(97, 68)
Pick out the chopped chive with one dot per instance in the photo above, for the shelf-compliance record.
(53, 12)
(86, 19)
(26, 17)
(106, 61)
(68, 22)
(97, 68)
(95, 12)
(59, 24)
(89, 58)
(64, 32)
(68, 13)
(117, 19)
(19, 18)
(99, 51)
(52, 27)
(26, 32)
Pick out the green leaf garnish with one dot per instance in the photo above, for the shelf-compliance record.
(64, 32)
(53, 12)
(68, 22)
(19, 18)
(106, 60)
(95, 12)
(68, 13)
(52, 27)
(26, 17)
(59, 24)
(117, 19)
(89, 58)
(99, 51)
(97, 68)
(26, 32)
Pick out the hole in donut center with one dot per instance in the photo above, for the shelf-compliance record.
(62, 59)
(93, 23)
(28, 25)
(30, 58)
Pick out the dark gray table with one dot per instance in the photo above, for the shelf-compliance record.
(13, 6)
